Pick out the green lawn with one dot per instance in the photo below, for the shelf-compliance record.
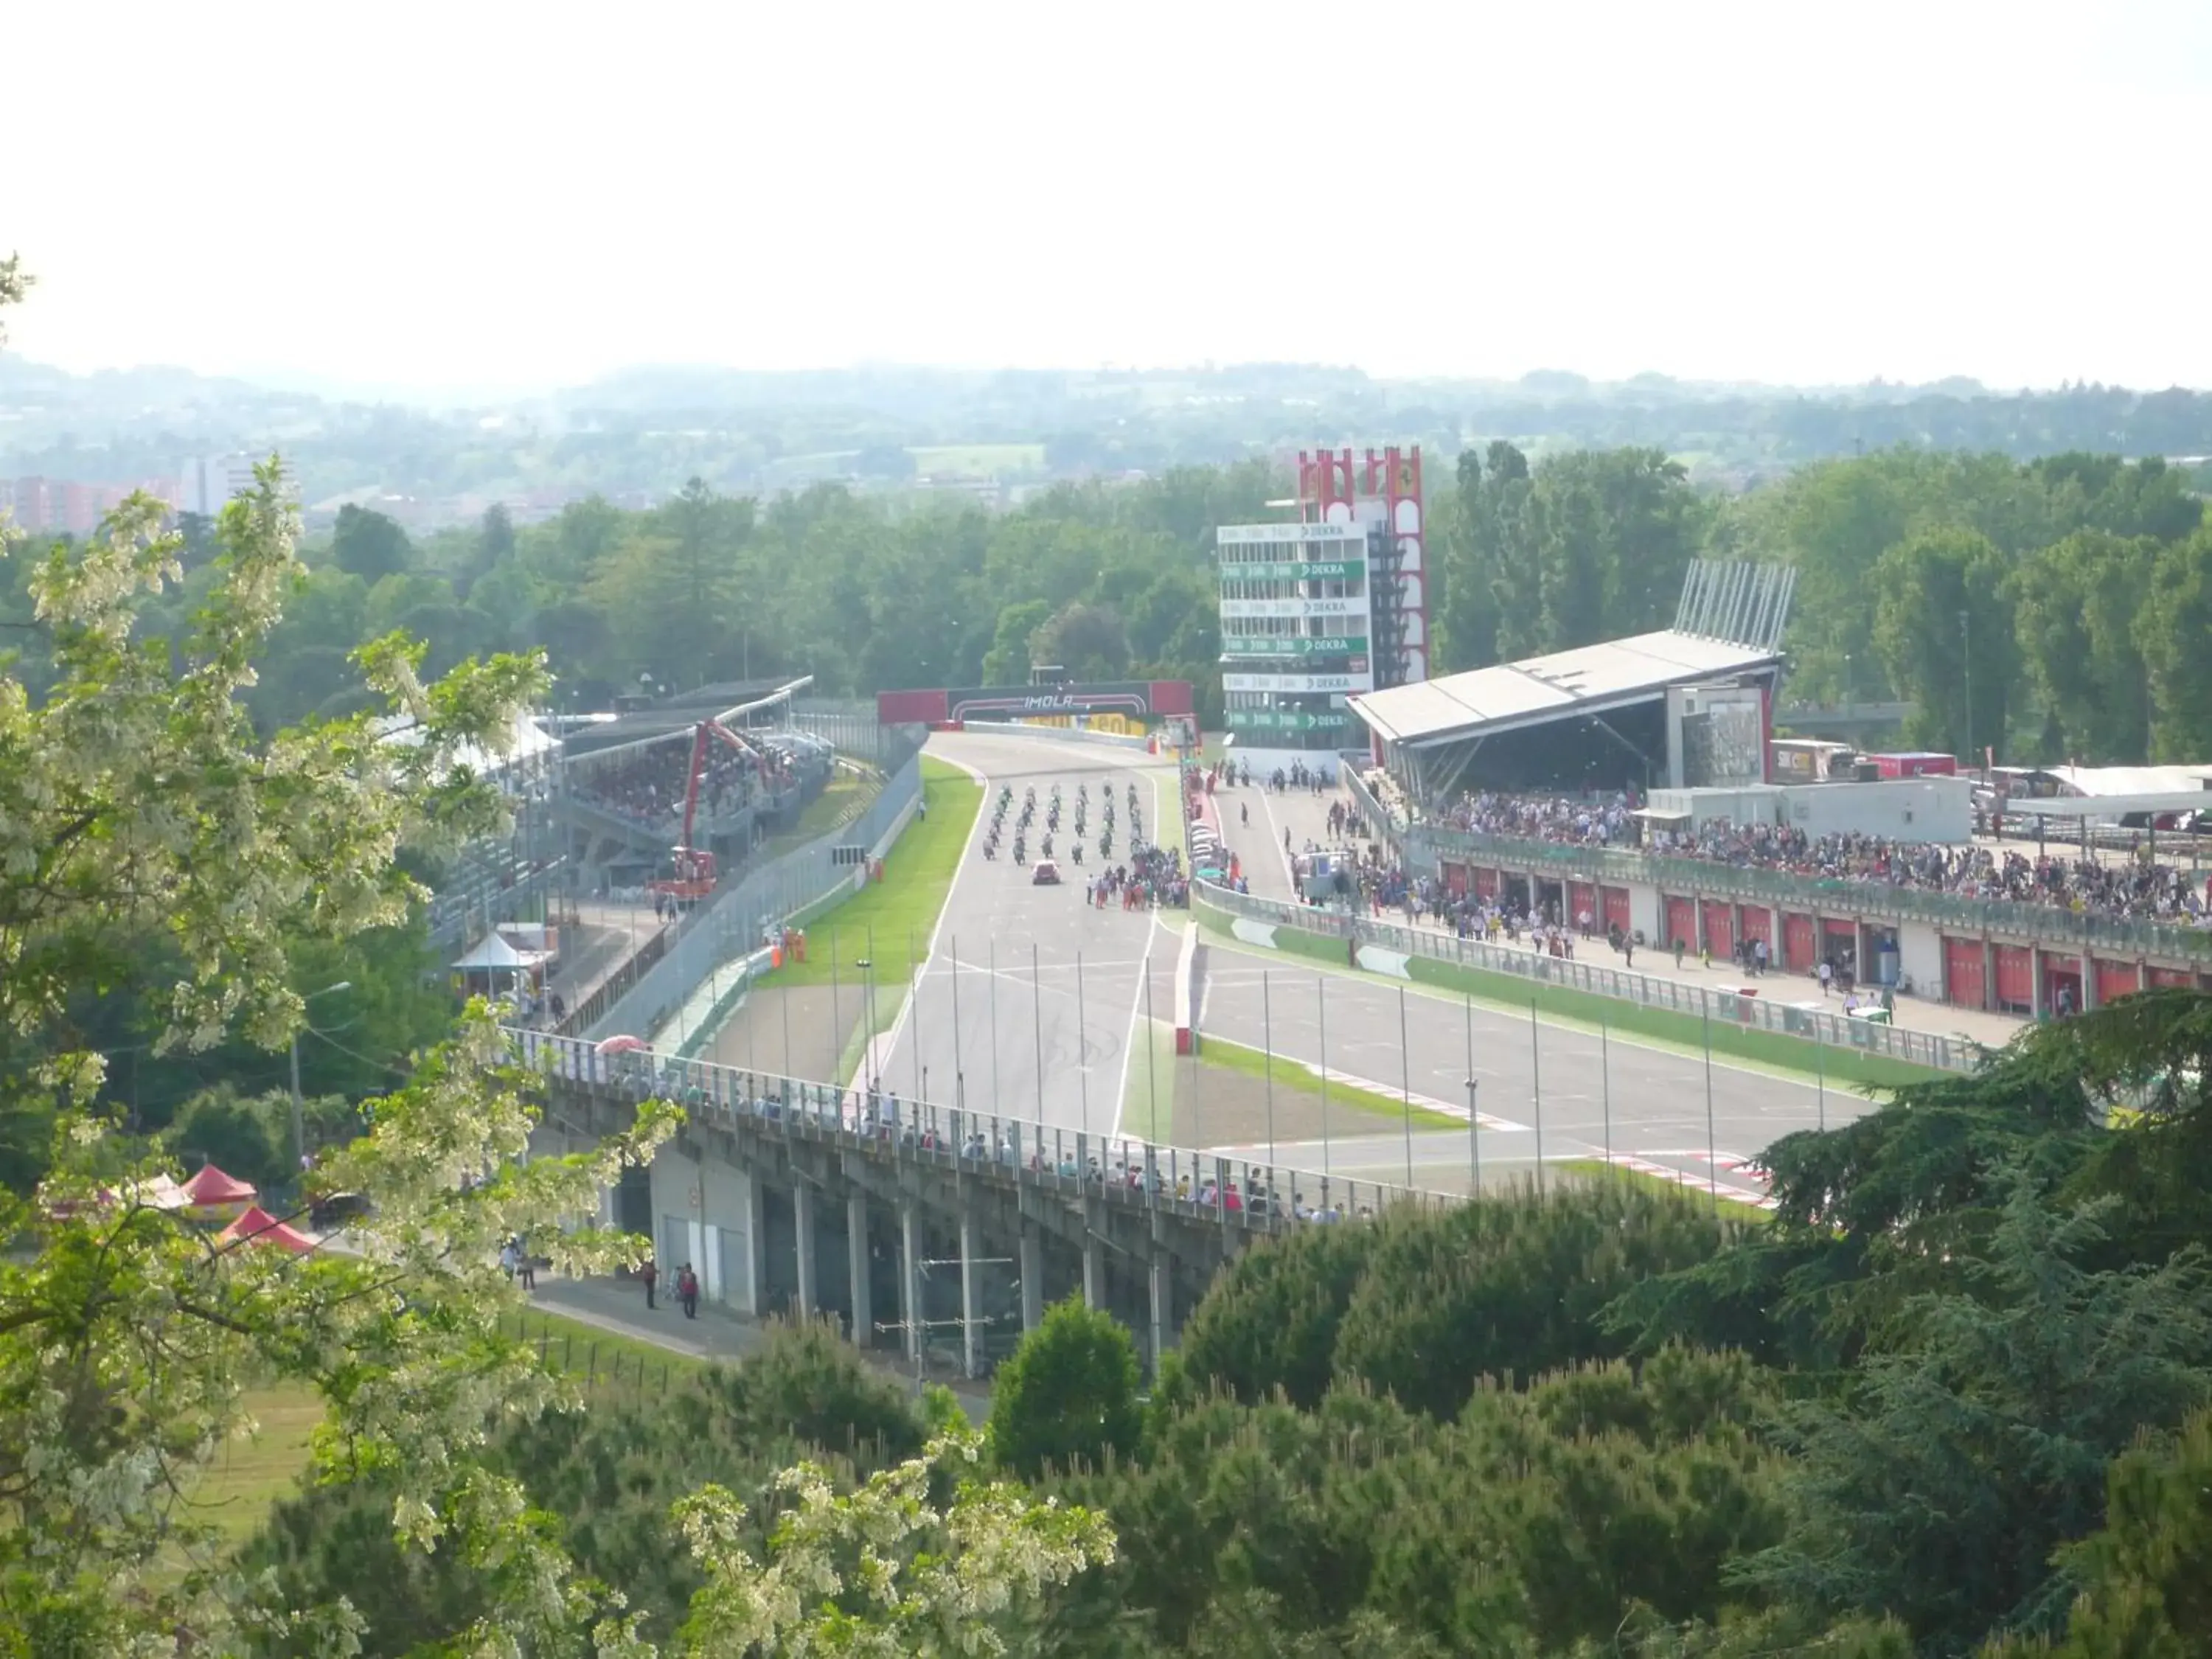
(1291, 1073)
(893, 918)
(599, 1358)
(249, 1475)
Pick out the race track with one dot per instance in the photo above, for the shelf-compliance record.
(1029, 1001)
(1030, 1006)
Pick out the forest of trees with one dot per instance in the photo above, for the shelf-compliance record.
(2080, 585)
(1954, 1398)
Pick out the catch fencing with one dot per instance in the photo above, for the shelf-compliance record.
(733, 923)
(1751, 1012)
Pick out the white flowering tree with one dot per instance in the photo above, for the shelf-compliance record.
(884, 1571)
(138, 802)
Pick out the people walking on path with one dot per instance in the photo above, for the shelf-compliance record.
(648, 1275)
(687, 1291)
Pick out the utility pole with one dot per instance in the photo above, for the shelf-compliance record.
(299, 1105)
(919, 1329)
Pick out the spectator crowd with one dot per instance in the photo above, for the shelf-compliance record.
(2133, 888)
(647, 786)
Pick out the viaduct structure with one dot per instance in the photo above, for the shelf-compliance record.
(919, 1226)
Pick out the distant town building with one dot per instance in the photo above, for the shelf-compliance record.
(210, 484)
(63, 507)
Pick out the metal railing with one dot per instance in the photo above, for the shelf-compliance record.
(491, 889)
(1381, 825)
(1786, 890)
(1142, 1174)
(1755, 1013)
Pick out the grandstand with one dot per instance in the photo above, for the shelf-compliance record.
(1684, 707)
(623, 785)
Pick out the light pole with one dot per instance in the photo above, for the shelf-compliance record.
(298, 1110)
(874, 1078)
(1966, 657)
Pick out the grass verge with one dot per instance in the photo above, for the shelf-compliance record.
(601, 1359)
(1148, 1098)
(893, 918)
(1293, 1073)
(1740, 1208)
(248, 1476)
(1798, 1058)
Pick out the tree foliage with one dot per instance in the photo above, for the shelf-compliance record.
(1068, 1396)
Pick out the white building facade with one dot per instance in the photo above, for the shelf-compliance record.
(1315, 611)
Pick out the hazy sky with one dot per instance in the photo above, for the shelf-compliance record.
(470, 193)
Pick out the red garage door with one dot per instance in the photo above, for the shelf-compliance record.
(1801, 945)
(1720, 927)
(1485, 884)
(1616, 910)
(1966, 974)
(2016, 976)
(1581, 901)
(1681, 925)
(2116, 980)
(1455, 879)
(1757, 922)
(2172, 979)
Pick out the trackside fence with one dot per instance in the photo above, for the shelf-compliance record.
(1238, 1192)
(1756, 1013)
(732, 922)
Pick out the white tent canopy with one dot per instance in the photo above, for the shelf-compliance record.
(494, 953)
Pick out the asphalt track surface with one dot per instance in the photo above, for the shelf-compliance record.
(1029, 1002)
(1004, 1017)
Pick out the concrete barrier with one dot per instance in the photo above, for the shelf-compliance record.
(1063, 734)
(1186, 990)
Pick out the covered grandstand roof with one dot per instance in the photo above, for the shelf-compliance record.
(2110, 780)
(1588, 680)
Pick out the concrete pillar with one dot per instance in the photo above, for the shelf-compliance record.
(1990, 971)
(1162, 1290)
(910, 1278)
(971, 1331)
(1032, 1280)
(1094, 1258)
(856, 1240)
(756, 1250)
(2041, 1003)
(802, 1208)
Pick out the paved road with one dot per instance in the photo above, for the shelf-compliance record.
(1032, 999)
(1046, 1038)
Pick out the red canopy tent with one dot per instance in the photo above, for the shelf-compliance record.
(215, 1195)
(258, 1226)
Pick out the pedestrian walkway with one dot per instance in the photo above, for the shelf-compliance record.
(617, 1307)
(1306, 815)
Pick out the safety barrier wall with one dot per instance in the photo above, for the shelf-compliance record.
(1144, 1173)
(1063, 734)
(732, 922)
(1754, 1013)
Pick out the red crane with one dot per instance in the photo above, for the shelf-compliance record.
(691, 870)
